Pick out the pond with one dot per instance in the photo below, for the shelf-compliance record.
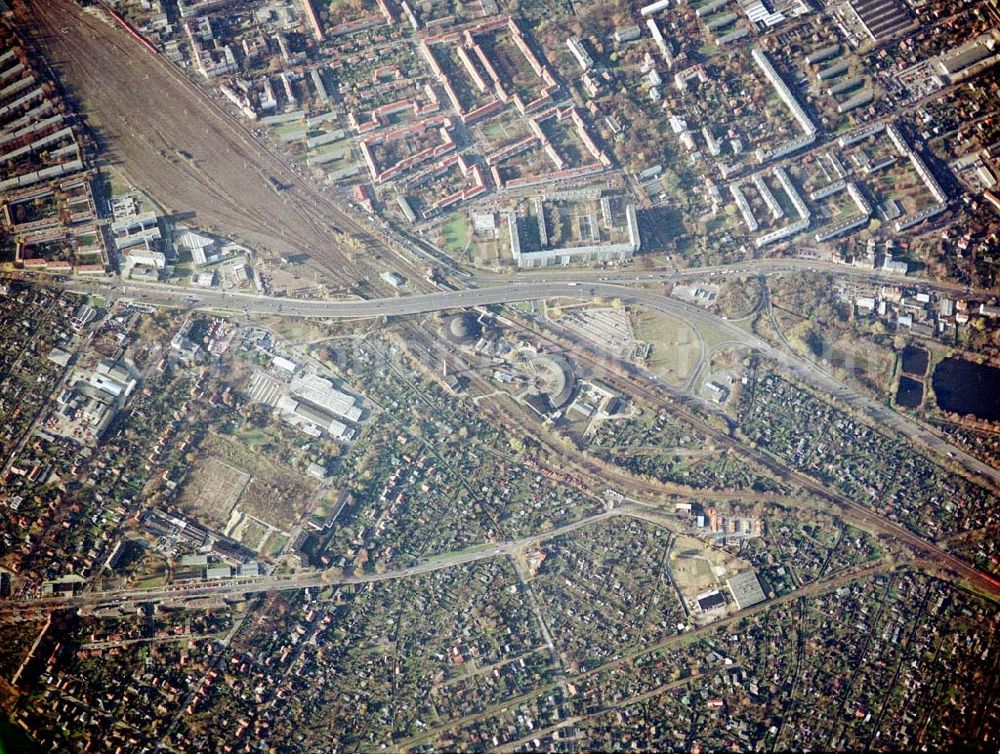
(968, 388)
(915, 361)
(910, 392)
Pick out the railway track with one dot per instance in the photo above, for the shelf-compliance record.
(225, 182)
(104, 64)
(634, 382)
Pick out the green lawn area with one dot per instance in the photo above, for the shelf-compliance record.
(670, 183)
(150, 582)
(291, 130)
(118, 185)
(289, 127)
(183, 270)
(253, 438)
(275, 544)
(456, 233)
(494, 130)
(333, 146)
(675, 349)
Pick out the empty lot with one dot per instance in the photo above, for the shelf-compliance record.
(213, 490)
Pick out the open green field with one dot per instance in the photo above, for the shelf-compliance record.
(456, 233)
(675, 347)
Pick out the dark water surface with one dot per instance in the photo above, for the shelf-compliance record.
(968, 388)
(910, 392)
(915, 360)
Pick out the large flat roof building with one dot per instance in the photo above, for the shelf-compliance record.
(963, 57)
(323, 395)
(881, 18)
(300, 413)
(745, 589)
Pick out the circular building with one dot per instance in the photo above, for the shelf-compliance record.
(463, 329)
(553, 377)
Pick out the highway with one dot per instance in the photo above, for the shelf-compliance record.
(224, 177)
(269, 305)
(517, 291)
(754, 267)
(222, 131)
(177, 594)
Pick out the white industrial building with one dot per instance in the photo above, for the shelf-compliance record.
(202, 248)
(113, 379)
(321, 393)
(313, 420)
(745, 589)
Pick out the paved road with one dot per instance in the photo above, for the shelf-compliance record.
(517, 291)
(586, 277)
(95, 601)
(739, 269)
(624, 379)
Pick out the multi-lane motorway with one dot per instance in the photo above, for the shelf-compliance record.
(551, 284)
(159, 293)
(754, 267)
(516, 290)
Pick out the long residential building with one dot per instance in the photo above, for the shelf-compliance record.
(781, 233)
(918, 217)
(793, 194)
(582, 56)
(744, 206)
(918, 163)
(655, 7)
(828, 190)
(595, 252)
(772, 204)
(762, 61)
(861, 134)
